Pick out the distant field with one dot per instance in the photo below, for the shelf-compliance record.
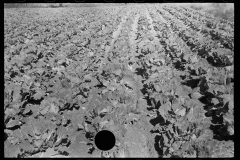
(46, 5)
(221, 10)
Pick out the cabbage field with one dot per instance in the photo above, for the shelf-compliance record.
(158, 76)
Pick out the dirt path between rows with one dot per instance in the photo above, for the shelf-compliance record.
(116, 33)
(132, 35)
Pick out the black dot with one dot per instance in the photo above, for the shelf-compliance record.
(105, 140)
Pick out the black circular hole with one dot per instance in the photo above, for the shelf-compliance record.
(105, 140)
